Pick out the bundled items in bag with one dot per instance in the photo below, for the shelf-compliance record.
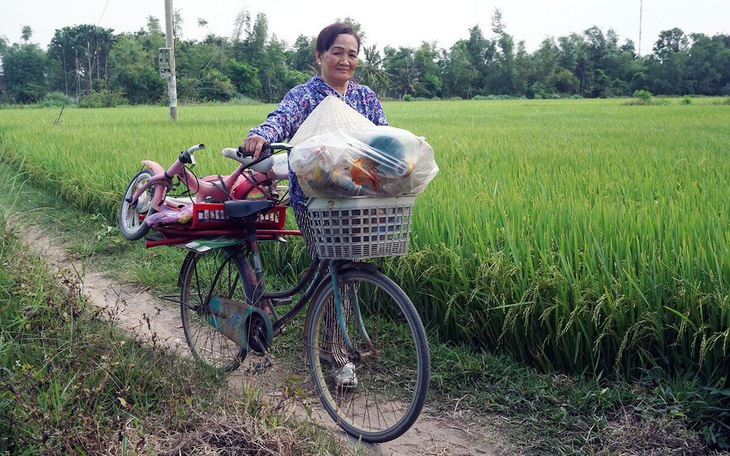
(169, 216)
(378, 161)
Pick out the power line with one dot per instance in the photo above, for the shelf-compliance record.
(103, 12)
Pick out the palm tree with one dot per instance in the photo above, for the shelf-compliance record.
(26, 33)
(409, 81)
(371, 73)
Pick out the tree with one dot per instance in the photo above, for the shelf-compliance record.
(244, 77)
(272, 71)
(370, 71)
(83, 51)
(24, 69)
(26, 33)
(574, 57)
(667, 66)
(355, 26)
(242, 22)
(255, 43)
(426, 60)
(708, 64)
(177, 23)
(132, 72)
(460, 76)
(609, 68)
(301, 57)
(214, 86)
(502, 77)
(153, 26)
(670, 43)
(404, 74)
(480, 52)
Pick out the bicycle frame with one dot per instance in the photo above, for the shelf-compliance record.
(315, 275)
(237, 184)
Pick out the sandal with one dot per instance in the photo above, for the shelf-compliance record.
(345, 376)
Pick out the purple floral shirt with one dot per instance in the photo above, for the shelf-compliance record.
(282, 123)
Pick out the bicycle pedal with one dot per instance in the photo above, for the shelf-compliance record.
(258, 367)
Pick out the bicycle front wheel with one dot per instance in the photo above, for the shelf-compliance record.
(217, 273)
(131, 218)
(375, 390)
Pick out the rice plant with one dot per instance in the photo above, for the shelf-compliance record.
(580, 235)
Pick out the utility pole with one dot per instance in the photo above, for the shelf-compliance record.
(171, 77)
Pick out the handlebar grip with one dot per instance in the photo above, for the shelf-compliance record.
(266, 151)
(195, 148)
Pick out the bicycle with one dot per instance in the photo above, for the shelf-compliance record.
(147, 192)
(355, 315)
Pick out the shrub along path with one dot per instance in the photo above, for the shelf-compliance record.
(156, 322)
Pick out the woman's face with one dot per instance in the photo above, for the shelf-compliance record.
(339, 61)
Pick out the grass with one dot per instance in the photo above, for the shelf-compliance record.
(71, 383)
(585, 222)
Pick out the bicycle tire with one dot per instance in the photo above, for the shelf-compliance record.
(220, 272)
(131, 222)
(383, 405)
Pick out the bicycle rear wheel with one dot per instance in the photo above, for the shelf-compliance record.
(217, 273)
(391, 358)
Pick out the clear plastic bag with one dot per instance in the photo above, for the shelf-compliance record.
(169, 216)
(379, 161)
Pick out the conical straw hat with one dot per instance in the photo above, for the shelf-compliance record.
(331, 114)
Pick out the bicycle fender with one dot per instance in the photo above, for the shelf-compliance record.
(156, 169)
(370, 267)
(326, 281)
(154, 166)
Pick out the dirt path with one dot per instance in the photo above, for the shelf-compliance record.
(156, 321)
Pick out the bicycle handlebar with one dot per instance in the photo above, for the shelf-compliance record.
(187, 157)
(196, 148)
(267, 150)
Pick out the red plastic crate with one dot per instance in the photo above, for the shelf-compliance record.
(208, 216)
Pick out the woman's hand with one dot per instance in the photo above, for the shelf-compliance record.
(253, 145)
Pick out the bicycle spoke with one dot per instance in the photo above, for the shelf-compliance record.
(215, 273)
(382, 391)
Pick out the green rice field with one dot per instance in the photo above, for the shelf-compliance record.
(580, 235)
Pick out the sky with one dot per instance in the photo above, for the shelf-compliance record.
(384, 22)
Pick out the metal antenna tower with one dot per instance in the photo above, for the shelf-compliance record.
(641, 17)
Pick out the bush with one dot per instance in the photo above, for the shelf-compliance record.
(102, 99)
(408, 97)
(644, 96)
(686, 100)
(496, 97)
(56, 99)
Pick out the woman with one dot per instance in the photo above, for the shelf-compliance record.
(336, 52)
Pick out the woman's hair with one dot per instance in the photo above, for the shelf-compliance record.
(328, 35)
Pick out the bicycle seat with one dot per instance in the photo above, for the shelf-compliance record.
(245, 208)
(261, 167)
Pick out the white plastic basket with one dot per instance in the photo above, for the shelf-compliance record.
(358, 228)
